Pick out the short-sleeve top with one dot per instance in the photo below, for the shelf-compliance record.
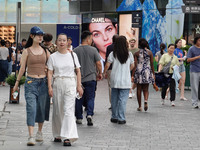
(194, 65)
(166, 58)
(62, 64)
(179, 53)
(4, 53)
(120, 75)
(87, 56)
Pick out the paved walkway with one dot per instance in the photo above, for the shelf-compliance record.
(161, 128)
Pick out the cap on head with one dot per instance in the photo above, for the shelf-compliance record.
(36, 30)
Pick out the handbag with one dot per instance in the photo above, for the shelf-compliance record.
(166, 68)
(74, 63)
(161, 80)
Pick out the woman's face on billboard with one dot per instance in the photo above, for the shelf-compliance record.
(102, 35)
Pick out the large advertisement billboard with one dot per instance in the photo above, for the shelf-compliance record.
(102, 26)
(129, 28)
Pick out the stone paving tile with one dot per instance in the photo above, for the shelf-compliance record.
(160, 128)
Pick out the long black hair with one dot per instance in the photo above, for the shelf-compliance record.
(143, 43)
(120, 50)
(29, 43)
(162, 48)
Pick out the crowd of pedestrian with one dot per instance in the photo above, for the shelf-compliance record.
(70, 75)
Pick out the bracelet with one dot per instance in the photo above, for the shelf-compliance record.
(17, 80)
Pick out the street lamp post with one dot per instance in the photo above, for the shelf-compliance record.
(18, 31)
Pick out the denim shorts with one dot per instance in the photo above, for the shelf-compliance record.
(181, 68)
(37, 100)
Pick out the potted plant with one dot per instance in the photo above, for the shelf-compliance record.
(11, 79)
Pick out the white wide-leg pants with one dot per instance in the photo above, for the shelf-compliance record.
(63, 118)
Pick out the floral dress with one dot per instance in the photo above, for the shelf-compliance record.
(143, 73)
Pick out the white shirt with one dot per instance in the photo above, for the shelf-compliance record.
(4, 53)
(120, 76)
(62, 64)
(102, 63)
(18, 57)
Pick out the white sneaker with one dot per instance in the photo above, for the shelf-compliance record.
(39, 137)
(130, 95)
(162, 101)
(183, 99)
(172, 103)
(79, 121)
(31, 141)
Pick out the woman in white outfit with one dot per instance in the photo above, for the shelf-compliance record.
(62, 66)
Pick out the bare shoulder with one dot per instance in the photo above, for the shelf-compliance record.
(137, 53)
(149, 52)
(25, 52)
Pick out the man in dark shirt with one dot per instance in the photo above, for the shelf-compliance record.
(22, 45)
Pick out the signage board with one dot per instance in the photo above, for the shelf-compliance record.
(137, 19)
(191, 9)
(191, 1)
(72, 30)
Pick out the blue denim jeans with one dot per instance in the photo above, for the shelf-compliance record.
(88, 97)
(3, 70)
(10, 67)
(37, 100)
(119, 98)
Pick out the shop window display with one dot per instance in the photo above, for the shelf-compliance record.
(7, 33)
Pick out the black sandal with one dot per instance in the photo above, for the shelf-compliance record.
(66, 142)
(57, 140)
(145, 106)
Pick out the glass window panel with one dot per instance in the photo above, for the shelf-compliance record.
(11, 5)
(49, 11)
(50, 6)
(64, 6)
(10, 10)
(2, 10)
(191, 27)
(31, 11)
(32, 17)
(11, 17)
(38, 11)
(31, 6)
(66, 18)
(49, 17)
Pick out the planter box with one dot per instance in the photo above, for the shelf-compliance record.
(11, 98)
